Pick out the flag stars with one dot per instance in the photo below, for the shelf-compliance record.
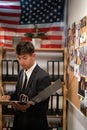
(34, 2)
(43, 21)
(47, 17)
(40, 18)
(41, 11)
(24, 11)
(30, 5)
(36, 22)
(58, 19)
(30, 16)
(28, 22)
(60, 1)
(38, 5)
(23, 17)
(26, 3)
(38, 11)
(27, 9)
(26, 19)
(59, 13)
(44, 15)
(52, 8)
(34, 14)
(45, 4)
(33, 19)
(22, 0)
(55, 16)
(26, 14)
(23, 6)
(51, 20)
(42, 7)
(45, 10)
(59, 7)
(41, 1)
(51, 14)
(55, 10)
(49, 1)
(21, 22)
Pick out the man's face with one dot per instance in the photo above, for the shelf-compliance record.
(26, 60)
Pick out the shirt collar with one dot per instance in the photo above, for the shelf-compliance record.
(29, 71)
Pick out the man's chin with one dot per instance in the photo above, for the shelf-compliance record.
(24, 67)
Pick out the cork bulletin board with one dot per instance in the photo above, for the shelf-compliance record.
(77, 55)
(73, 65)
(72, 90)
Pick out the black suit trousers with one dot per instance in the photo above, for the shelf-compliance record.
(24, 122)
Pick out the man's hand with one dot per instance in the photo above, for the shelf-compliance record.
(5, 97)
(21, 107)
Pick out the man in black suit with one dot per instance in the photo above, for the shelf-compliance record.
(27, 116)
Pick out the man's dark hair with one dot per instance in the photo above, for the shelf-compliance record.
(24, 47)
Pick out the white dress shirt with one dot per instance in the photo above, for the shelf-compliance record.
(28, 72)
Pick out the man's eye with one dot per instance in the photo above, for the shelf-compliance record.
(24, 58)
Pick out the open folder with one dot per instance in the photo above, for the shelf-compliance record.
(44, 94)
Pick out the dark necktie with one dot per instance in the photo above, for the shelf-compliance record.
(25, 82)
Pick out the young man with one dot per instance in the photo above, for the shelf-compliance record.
(27, 116)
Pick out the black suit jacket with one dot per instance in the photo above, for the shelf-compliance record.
(35, 116)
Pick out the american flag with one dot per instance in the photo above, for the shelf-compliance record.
(19, 16)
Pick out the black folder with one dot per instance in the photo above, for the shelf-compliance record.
(47, 92)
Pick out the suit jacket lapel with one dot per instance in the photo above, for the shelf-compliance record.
(21, 79)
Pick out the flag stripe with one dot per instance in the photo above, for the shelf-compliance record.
(11, 32)
(9, 22)
(47, 37)
(10, 10)
(12, 19)
(9, 1)
(9, 14)
(52, 45)
(53, 29)
(58, 26)
(10, 7)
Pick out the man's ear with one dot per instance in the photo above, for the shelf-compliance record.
(33, 55)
